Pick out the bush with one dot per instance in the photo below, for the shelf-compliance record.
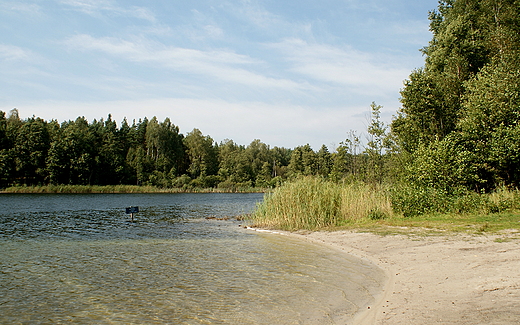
(415, 200)
(181, 181)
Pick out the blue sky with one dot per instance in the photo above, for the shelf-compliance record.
(285, 72)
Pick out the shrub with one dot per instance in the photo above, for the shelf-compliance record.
(416, 200)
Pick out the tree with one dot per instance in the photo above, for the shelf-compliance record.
(346, 161)
(340, 162)
(303, 161)
(425, 115)
(257, 155)
(202, 154)
(228, 152)
(110, 153)
(281, 159)
(323, 161)
(376, 144)
(71, 158)
(7, 165)
(490, 124)
(31, 147)
(140, 165)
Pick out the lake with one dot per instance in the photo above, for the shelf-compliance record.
(78, 258)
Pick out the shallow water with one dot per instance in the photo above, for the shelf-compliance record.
(77, 258)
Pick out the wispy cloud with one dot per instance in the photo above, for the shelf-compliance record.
(256, 14)
(201, 27)
(14, 53)
(21, 7)
(217, 63)
(96, 7)
(340, 65)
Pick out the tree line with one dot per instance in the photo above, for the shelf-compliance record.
(149, 152)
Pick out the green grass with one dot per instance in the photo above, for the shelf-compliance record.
(446, 223)
(312, 203)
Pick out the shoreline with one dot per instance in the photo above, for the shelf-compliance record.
(123, 189)
(443, 279)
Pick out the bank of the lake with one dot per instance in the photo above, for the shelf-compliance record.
(82, 189)
(450, 259)
(456, 278)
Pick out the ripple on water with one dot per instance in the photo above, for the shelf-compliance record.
(172, 266)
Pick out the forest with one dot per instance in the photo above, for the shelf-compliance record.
(457, 129)
(35, 152)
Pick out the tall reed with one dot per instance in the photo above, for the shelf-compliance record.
(314, 203)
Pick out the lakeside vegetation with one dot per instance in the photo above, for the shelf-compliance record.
(53, 189)
(313, 203)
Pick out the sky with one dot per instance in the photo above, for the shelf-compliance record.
(287, 72)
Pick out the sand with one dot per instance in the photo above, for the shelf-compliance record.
(452, 279)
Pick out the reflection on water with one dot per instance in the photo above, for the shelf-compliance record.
(77, 258)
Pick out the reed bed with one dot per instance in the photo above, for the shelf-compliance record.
(82, 189)
(314, 203)
(120, 189)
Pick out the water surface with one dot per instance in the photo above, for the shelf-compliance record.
(78, 258)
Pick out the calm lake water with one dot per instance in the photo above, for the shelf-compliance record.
(77, 258)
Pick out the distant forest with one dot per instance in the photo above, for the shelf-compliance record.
(458, 128)
(148, 152)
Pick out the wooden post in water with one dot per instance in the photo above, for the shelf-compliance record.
(131, 211)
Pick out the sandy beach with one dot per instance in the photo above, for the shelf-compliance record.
(453, 279)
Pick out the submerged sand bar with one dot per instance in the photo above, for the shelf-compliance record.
(448, 279)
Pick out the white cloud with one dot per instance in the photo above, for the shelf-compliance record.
(21, 7)
(96, 7)
(14, 53)
(342, 66)
(213, 31)
(140, 12)
(202, 27)
(88, 6)
(221, 64)
(255, 14)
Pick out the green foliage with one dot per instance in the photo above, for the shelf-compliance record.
(459, 124)
(303, 162)
(413, 201)
(424, 116)
(490, 125)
